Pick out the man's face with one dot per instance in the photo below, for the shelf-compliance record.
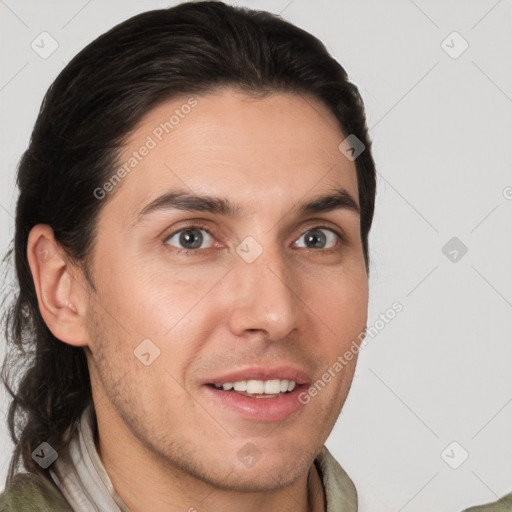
(269, 288)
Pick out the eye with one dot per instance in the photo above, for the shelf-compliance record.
(319, 238)
(190, 238)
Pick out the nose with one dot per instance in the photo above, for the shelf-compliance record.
(265, 296)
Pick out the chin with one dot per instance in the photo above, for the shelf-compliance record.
(263, 477)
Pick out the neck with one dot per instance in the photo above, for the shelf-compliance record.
(158, 485)
(317, 500)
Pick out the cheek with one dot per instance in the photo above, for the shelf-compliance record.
(146, 300)
(342, 301)
(172, 300)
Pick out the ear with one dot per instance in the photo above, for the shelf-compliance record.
(60, 288)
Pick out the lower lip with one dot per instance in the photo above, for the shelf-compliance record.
(261, 409)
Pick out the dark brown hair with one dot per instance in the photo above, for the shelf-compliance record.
(86, 116)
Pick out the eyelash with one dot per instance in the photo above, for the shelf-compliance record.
(196, 252)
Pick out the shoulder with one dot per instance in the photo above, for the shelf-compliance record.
(28, 492)
(502, 505)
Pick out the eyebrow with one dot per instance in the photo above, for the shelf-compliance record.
(337, 199)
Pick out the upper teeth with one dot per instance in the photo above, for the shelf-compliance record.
(271, 387)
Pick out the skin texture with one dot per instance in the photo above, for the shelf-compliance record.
(165, 443)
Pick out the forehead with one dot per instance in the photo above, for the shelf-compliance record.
(255, 150)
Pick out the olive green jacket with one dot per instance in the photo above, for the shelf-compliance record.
(34, 493)
(503, 505)
(29, 492)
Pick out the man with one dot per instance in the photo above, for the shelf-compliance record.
(192, 253)
(191, 247)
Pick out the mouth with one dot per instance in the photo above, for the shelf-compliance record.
(258, 388)
(257, 400)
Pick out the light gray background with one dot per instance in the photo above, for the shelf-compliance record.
(441, 129)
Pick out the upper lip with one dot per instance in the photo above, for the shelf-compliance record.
(262, 373)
